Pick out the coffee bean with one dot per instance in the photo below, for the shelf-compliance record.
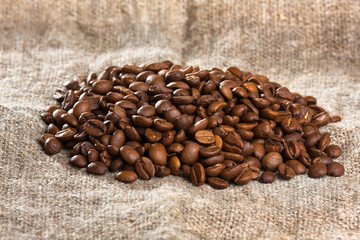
(210, 151)
(317, 170)
(157, 153)
(162, 171)
(297, 166)
(245, 175)
(205, 137)
(333, 151)
(44, 137)
(271, 161)
(127, 176)
(78, 161)
(174, 165)
(285, 172)
(217, 183)
(335, 169)
(52, 145)
(197, 174)
(97, 168)
(129, 154)
(81, 107)
(65, 135)
(145, 168)
(267, 177)
(95, 128)
(190, 154)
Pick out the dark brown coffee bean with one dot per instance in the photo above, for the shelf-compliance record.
(95, 128)
(210, 151)
(93, 155)
(317, 170)
(65, 135)
(312, 139)
(162, 171)
(78, 161)
(245, 175)
(116, 164)
(129, 154)
(127, 176)
(97, 168)
(259, 151)
(271, 161)
(252, 161)
(69, 100)
(185, 171)
(285, 172)
(333, 151)
(69, 119)
(190, 154)
(162, 125)
(102, 86)
(118, 138)
(289, 125)
(213, 160)
(230, 173)
(157, 153)
(197, 174)
(335, 169)
(52, 146)
(145, 168)
(81, 107)
(297, 166)
(47, 117)
(305, 158)
(152, 136)
(267, 177)
(44, 137)
(217, 183)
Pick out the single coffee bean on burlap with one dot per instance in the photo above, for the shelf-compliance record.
(127, 176)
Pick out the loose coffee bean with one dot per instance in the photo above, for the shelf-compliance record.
(244, 176)
(317, 170)
(97, 168)
(271, 161)
(129, 154)
(335, 169)
(157, 153)
(285, 172)
(78, 161)
(267, 177)
(214, 170)
(127, 176)
(197, 174)
(297, 166)
(217, 183)
(52, 146)
(44, 137)
(145, 168)
(95, 128)
(333, 151)
(174, 165)
(190, 154)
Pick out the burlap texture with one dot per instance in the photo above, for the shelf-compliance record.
(312, 47)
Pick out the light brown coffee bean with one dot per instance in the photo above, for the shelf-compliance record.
(317, 170)
(335, 169)
(267, 177)
(157, 153)
(217, 183)
(97, 168)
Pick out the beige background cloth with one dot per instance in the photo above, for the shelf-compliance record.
(311, 47)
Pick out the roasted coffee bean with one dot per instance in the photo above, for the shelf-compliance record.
(78, 161)
(145, 168)
(129, 154)
(162, 171)
(297, 166)
(52, 146)
(285, 172)
(157, 153)
(174, 165)
(217, 183)
(161, 118)
(190, 154)
(197, 174)
(267, 177)
(95, 128)
(271, 161)
(245, 175)
(335, 169)
(127, 176)
(210, 151)
(97, 168)
(205, 137)
(333, 151)
(317, 170)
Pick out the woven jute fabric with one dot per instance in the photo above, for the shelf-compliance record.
(311, 47)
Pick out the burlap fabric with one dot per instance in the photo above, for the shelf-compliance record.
(312, 47)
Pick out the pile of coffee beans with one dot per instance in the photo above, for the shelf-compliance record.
(211, 126)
